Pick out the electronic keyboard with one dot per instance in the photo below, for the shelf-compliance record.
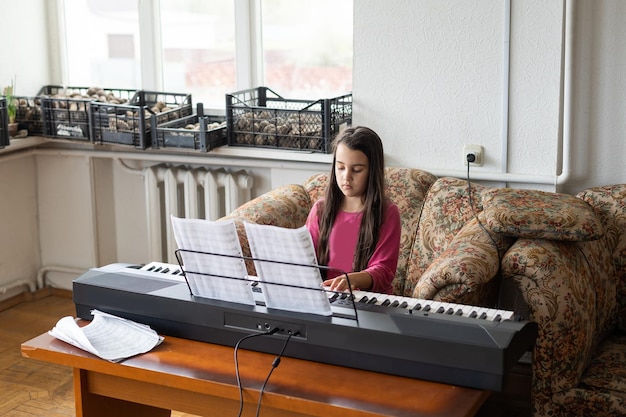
(444, 342)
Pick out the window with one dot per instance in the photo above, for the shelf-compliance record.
(189, 46)
(102, 42)
(198, 43)
(307, 47)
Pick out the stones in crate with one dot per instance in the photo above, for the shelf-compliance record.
(28, 110)
(73, 100)
(277, 128)
(122, 124)
(160, 107)
(210, 126)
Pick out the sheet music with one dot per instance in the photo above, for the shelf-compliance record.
(304, 283)
(107, 336)
(208, 275)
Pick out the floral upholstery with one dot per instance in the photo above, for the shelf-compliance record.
(609, 202)
(540, 214)
(574, 291)
(461, 273)
(447, 209)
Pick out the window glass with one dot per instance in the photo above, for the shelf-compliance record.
(102, 39)
(307, 47)
(198, 39)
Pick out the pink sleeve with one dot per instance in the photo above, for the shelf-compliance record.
(384, 261)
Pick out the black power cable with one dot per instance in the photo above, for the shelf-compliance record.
(275, 364)
(274, 330)
(471, 158)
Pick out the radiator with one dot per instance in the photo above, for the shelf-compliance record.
(193, 193)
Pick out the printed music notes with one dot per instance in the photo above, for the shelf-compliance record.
(284, 259)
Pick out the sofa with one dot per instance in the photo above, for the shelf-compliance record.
(447, 231)
(574, 287)
(555, 259)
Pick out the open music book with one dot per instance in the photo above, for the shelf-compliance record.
(107, 336)
(284, 259)
(293, 282)
(209, 274)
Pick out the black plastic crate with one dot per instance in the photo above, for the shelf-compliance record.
(4, 123)
(28, 115)
(131, 124)
(66, 109)
(259, 117)
(198, 131)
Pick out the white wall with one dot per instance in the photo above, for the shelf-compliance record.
(600, 86)
(19, 236)
(428, 76)
(431, 77)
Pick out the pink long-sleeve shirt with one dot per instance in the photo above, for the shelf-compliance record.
(343, 240)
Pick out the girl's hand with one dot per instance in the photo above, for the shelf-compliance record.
(338, 284)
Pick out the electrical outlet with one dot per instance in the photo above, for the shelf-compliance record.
(477, 151)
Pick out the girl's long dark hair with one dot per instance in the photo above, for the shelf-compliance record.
(367, 141)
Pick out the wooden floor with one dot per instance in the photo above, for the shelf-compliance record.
(30, 388)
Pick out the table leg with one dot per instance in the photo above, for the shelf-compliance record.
(93, 405)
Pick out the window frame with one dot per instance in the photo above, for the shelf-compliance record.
(248, 43)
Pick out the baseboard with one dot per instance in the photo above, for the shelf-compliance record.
(33, 296)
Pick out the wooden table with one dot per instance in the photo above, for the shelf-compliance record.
(199, 378)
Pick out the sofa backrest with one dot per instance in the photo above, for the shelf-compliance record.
(407, 188)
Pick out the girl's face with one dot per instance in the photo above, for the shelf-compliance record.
(351, 171)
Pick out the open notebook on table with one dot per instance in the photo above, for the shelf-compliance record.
(284, 259)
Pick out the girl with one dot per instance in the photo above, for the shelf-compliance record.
(355, 229)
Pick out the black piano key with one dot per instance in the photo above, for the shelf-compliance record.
(165, 271)
(404, 304)
(450, 311)
(459, 312)
(473, 314)
(483, 316)
(394, 304)
(386, 302)
(372, 300)
(440, 310)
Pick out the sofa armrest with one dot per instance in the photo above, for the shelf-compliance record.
(558, 282)
(464, 272)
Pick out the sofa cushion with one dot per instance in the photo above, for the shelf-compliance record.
(315, 186)
(537, 214)
(461, 272)
(606, 371)
(446, 210)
